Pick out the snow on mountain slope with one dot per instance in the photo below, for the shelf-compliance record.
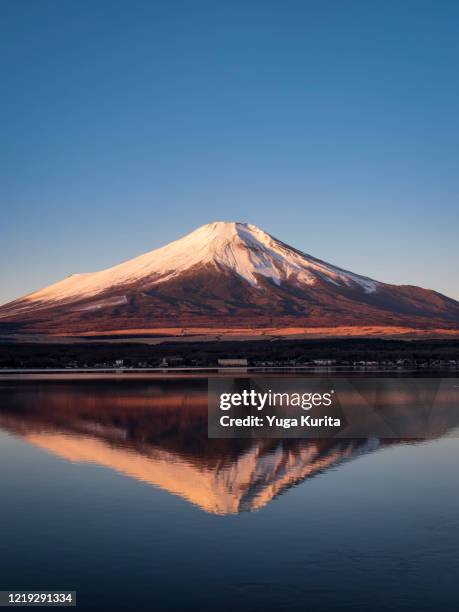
(242, 248)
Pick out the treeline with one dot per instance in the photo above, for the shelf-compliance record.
(95, 354)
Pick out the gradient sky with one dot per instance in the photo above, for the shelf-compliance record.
(333, 125)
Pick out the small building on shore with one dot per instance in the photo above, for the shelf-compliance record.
(233, 363)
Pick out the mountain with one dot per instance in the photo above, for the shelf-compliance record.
(225, 275)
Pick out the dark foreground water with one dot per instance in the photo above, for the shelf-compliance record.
(112, 488)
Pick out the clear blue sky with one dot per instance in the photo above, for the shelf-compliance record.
(333, 125)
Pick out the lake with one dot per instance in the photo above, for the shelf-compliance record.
(111, 487)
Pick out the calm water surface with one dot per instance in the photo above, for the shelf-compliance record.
(112, 488)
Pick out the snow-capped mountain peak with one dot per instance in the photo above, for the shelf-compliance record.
(242, 248)
(223, 275)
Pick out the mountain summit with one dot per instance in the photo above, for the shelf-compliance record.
(224, 274)
(237, 247)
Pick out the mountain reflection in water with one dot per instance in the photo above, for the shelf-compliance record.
(156, 432)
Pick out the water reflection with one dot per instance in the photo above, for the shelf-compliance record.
(156, 432)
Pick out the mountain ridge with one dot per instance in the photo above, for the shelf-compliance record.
(225, 273)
